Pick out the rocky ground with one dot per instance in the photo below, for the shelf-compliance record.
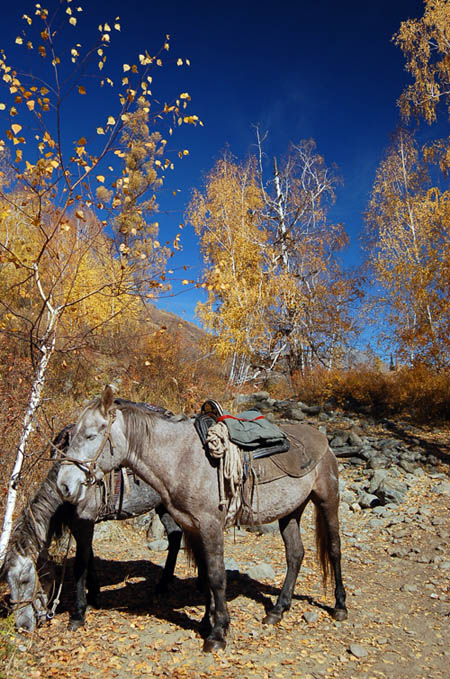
(395, 529)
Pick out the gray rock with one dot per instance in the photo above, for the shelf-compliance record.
(378, 476)
(262, 571)
(155, 530)
(231, 564)
(358, 651)
(348, 496)
(311, 616)
(338, 441)
(376, 523)
(442, 488)
(409, 467)
(377, 462)
(158, 545)
(312, 410)
(391, 490)
(367, 500)
(293, 412)
(409, 588)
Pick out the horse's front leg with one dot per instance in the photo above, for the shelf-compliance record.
(83, 531)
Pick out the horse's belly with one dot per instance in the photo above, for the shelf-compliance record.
(273, 500)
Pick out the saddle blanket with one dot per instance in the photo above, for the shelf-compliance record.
(307, 447)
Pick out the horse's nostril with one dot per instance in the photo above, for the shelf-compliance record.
(64, 488)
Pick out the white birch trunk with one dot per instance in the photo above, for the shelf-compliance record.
(47, 347)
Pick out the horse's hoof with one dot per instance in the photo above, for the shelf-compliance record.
(340, 614)
(75, 624)
(214, 645)
(272, 618)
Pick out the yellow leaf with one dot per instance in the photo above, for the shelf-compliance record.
(106, 27)
(73, 21)
(179, 62)
(111, 121)
(79, 214)
(100, 130)
(30, 104)
(100, 178)
(185, 282)
(81, 89)
(16, 128)
(2, 107)
(117, 27)
(18, 155)
(19, 40)
(126, 68)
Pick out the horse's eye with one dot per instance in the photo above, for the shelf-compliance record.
(91, 437)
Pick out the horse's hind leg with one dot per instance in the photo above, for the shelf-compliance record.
(174, 534)
(290, 532)
(326, 499)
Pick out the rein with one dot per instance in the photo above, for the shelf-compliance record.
(89, 468)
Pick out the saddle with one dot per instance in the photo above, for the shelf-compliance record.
(294, 452)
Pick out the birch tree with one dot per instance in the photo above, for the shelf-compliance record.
(425, 43)
(408, 241)
(310, 313)
(276, 294)
(73, 195)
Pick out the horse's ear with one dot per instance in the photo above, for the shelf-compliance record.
(107, 399)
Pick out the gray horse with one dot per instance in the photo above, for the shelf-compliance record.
(28, 569)
(169, 456)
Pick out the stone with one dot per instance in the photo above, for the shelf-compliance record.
(391, 490)
(367, 500)
(155, 530)
(311, 616)
(358, 651)
(158, 545)
(312, 410)
(442, 488)
(409, 588)
(338, 441)
(293, 412)
(231, 564)
(262, 571)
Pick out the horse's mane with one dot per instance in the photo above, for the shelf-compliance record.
(45, 516)
(138, 425)
(40, 519)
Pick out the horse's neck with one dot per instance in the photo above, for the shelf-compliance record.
(34, 529)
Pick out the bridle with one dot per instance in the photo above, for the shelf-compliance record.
(89, 467)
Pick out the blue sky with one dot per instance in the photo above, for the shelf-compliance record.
(315, 68)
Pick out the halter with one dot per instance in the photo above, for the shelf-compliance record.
(89, 468)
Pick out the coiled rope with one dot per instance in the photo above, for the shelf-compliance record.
(230, 462)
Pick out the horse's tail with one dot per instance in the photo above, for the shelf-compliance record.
(322, 546)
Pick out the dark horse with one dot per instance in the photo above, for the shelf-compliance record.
(169, 456)
(27, 567)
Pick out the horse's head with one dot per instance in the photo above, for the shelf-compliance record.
(28, 599)
(98, 445)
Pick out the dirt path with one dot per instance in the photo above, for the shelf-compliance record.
(397, 582)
